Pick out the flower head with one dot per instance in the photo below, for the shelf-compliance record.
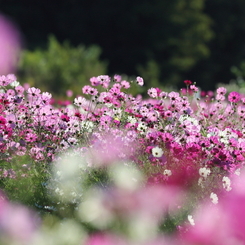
(140, 81)
(188, 82)
(234, 97)
(221, 91)
(152, 92)
(157, 152)
(214, 198)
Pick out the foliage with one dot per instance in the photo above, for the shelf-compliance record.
(25, 182)
(237, 84)
(133, 33)
(175, 34)
(226, 48)
(60, 67)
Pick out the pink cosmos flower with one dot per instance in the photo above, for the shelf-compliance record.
(114, 91)
(117, 78)
(220, 97)
(33, 91)
(221, 91)
(174, 96)
(86, 89)
(117, 86)
(105, 121)
(69, 93)
(19, 89)
(234, 97)
(125, 84)
(4, 81)
(144, 110)
(241, 111)
(80, 101)
(46, 97)
(140, 81)
(104, 80)
(30, 137)
(94, 81)
(243, 100)
(152, 92)
(108, 99)
(163, 95)
(152, 116)
(168, 113)
(194, 88)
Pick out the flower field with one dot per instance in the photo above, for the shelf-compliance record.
(112, 168)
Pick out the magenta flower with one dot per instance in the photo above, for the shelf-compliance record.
(2, 120)
(188, 82)
(30, 137)
(114, 91)
(234, 97)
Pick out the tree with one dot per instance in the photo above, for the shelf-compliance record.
(227, 47)
(173, 34)
(60, 67)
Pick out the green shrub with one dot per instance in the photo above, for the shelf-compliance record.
(60, 67)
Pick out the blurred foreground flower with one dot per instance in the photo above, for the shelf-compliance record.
(222, 223)
(17, 223)
(10, 45)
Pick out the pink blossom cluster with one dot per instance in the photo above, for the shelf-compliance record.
(188, 148)
(169, 130)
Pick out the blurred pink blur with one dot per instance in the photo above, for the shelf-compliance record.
(10, 45)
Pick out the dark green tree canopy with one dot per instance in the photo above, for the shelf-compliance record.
(183, 39)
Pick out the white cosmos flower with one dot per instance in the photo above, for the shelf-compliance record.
(157, 152)
(132, 119)
(167, 172)
(191, 220)
(226, 183)
(204, 172)
(142, 127)
(214, 198)
(14, 84)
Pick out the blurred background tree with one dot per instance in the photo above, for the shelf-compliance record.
(227, 48)
(165, 41)
(60, 67)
